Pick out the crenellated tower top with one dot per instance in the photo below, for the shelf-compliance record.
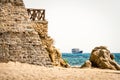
(14, 2)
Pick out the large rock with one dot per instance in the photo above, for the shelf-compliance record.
(102, 58)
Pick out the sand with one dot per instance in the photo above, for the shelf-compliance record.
(23, 71)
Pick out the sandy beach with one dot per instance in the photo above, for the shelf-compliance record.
(23, 71)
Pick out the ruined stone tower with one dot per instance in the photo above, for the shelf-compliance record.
(23, 36)
(18, 39)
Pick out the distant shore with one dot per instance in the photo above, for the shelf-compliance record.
(23, 71)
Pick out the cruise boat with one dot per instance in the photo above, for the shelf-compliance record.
(76, 51)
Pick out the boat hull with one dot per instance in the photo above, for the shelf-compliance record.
(76, 51)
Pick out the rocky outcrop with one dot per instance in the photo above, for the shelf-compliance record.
(24, 40)
(102, 58)
(48, 43)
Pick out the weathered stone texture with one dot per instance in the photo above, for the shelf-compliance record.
(24, 40)
(54, 54)
(18, 39)
(102, 58)
(13, 2)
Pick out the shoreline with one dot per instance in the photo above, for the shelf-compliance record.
(81, 58)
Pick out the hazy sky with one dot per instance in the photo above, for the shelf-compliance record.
(82, 24)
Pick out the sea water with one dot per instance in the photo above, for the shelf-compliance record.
(79, 59)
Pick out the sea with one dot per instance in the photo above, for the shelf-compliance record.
(79, 59)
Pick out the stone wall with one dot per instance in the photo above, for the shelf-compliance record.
(18, 39)
(24, 40)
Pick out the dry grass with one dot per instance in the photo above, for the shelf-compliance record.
(20, 71)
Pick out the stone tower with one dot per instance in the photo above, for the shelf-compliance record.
(18, 39)
(24, 36)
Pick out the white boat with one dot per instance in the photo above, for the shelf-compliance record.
(76, 51)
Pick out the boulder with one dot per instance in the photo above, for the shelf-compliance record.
(102, 58)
